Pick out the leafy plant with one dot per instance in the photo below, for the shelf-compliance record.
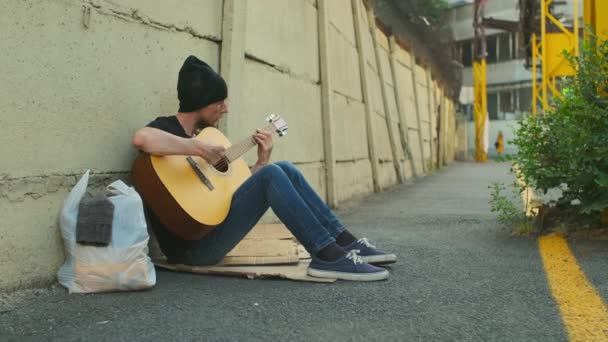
(524, 227)
(567, 147)
(507, 211)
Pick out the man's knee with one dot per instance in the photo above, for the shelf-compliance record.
(270, 170)
(286, 166)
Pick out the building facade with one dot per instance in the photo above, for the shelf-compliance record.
(509, 79)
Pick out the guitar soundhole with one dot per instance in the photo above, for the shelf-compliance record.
(222, 166)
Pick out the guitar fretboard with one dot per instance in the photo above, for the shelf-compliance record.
(237, 150)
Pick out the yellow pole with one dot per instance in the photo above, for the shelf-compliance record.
(477, 106)
(600, 20)
(534, 76)
(543, 36)
(588, 7)
(484, 107)
(576, 28)
(481, 108)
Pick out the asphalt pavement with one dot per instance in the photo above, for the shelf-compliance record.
(460, 277)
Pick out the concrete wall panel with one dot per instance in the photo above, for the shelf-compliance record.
(436, 101)
(268, 91)
(368, 44)
(427, 152)
(383, 145)
(403, 57)
(420, 75)
(29, 235)
(385, 63)
(356, 179)
(203, 17)
(392, 103)
(386, 173)
(75, 103)
(350, 135)
(398, 146)
(415, 148)
(341, 17)
(344, 62)
(284, 33)
(423, 109)
(382, 39)
(375, 92)
(408, 101)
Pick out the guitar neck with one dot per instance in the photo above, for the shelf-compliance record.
(237, 150)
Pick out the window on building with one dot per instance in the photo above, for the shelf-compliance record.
(493, 106)
(506, 102)
(525, 99)
(466, 53)
(491, 49)
(514, 47)
(504, 47)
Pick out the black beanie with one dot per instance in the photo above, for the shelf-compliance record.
(199, 86)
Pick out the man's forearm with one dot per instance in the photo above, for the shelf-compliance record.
(158, 142)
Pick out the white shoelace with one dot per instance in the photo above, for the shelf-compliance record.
(352, 255)
(366, 242)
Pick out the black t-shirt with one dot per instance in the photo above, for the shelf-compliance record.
(172, 246)
(169, 124)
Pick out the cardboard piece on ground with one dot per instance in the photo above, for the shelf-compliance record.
(303, 252)
(265, 244)
(269, 251)
(292, 272)
(263, 251)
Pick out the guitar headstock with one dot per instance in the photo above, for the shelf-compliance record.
(278, 124)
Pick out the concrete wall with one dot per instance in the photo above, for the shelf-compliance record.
(348, 117)
(76, 86)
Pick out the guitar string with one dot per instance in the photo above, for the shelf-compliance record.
(242, 147)
(239, 149)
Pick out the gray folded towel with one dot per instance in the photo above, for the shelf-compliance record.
(94, 225)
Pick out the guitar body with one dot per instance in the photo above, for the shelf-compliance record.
(175, 193)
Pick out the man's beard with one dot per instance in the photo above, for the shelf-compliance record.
(200, 125)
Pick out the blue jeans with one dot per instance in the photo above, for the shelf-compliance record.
(279, 186)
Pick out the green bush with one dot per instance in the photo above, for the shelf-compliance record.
(567, 147)
(507, 211)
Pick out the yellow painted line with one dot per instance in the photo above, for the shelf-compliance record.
(582, 310)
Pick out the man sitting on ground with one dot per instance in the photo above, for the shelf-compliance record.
(336, 252)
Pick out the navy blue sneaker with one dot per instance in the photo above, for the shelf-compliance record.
(370, 254)
(348, 267)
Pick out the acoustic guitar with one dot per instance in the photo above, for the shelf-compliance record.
(190, 196)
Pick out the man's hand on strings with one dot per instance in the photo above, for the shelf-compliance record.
(265, 144)
(212, 154)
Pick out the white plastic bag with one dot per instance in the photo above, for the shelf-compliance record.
(123, 265)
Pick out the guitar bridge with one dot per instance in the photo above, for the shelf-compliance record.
(200, 174)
